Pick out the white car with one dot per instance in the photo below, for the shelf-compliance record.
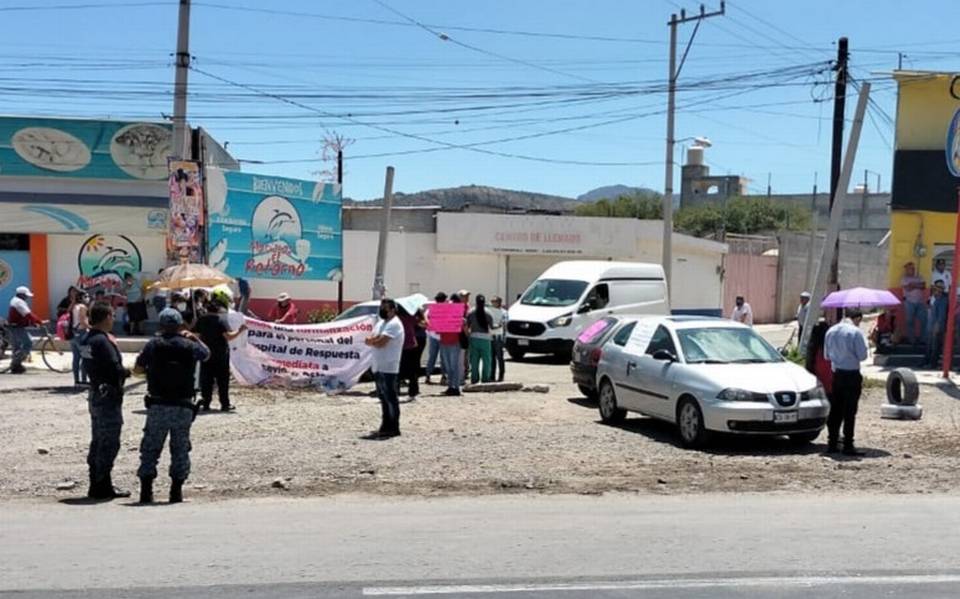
(370, 308)
(707, 375)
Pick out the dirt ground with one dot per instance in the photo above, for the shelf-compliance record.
(475, 444)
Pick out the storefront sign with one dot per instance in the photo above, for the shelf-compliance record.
(445, 318)
(185, 237)
(274, 228)
(104, 261)
(82, 219)
(953, 145)
(330, 357)
(536, 235)
(89, 149)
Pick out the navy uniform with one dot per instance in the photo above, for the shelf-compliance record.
(169, 361)
(103, 364)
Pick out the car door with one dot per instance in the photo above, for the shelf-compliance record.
(620, 361)
(654, 377)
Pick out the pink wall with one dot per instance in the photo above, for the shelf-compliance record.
(755, 278)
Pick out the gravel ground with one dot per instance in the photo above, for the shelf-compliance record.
(479, 443)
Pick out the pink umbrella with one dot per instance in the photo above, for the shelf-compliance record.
(860, 297)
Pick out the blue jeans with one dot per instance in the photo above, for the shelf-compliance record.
(21, 344)
(389, 402)
(452, 365)
(433, 352)
(916, 312)
(79, 374)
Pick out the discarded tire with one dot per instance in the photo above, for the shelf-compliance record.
(901, 412)
(902, 387)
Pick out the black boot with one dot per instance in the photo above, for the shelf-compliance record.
(146, 490)
(176, 491)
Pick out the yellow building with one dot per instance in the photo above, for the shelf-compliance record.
(923, 206)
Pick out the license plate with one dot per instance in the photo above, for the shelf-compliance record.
(523, 342)
(785, 416)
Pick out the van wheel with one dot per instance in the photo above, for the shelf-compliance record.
(516, 354)
(610, 412)
(693, 434)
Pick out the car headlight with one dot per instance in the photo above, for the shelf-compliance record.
(733, 394)
(817, 392)
(561, 321)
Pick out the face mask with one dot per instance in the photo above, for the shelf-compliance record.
(180, 306)
(383, 313)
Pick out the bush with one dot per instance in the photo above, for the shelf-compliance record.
(646, 205)
(325, 314)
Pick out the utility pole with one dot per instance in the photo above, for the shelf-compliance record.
(379, 286)
(340, 183)
(181, 136)
(814, 216)
(769, 185)
(836, 158)
(836, 216)
(667, 252)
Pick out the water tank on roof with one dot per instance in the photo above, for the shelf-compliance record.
(695, 156)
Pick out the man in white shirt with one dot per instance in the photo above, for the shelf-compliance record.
(497, 327)
(387, 344)
(743, 312)
(940, 273)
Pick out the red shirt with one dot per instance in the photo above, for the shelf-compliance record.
(823, 371)
(16, 319)
(451, 338)
(283, 316)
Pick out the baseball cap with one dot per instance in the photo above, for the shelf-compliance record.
(21, 290)
(805, 294)
(283, 297)
(170, 318)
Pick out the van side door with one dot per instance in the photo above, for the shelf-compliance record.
(638, 296)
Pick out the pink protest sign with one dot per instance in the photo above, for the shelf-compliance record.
(445, 318)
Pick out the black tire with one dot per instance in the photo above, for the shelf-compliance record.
(54, 358)
(516, 354)
(803, 438)
(610, 410)
(693, 433)
(902, 387)
(587, 392)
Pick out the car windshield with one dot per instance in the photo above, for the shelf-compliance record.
(553, 292)
(357, 311)
(725, 345)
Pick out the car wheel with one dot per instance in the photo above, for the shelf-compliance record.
(587, 392)
(693, 434)
(516, 354)
(610, 412)
(804, 438)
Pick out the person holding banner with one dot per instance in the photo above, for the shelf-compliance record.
(447, 321)
(433, 339)
(387, 343)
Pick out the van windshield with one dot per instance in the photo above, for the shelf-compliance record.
(553, 292)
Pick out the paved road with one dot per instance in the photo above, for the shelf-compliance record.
(506, 546)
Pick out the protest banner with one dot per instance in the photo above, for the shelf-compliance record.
(330, 356)
(445, 318)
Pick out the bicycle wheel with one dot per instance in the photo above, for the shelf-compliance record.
(56, 360)
(6, 350)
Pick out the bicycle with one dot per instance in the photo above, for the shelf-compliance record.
(52, 357)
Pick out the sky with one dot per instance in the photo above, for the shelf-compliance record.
(549, 96)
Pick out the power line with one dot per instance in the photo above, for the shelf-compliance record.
(36, 8)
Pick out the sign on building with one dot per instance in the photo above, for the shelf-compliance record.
(267, 227)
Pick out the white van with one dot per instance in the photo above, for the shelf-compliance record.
(570, 296)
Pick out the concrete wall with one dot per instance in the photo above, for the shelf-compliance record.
(755, 278)
(861, 265)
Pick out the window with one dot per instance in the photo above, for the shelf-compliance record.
(596, 330)
(14, 242)
(553, 292)
(623, 335)
(661, 340)
(598, 297)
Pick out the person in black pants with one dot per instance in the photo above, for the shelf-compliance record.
(214, 331)
(845, 347)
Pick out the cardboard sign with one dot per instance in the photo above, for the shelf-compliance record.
(446, 318)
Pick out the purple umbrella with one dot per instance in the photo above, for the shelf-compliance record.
(860, 297)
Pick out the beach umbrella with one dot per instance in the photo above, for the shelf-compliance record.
(860, 297)
(189, 275)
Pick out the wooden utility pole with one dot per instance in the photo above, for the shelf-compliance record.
(340, 183)
(667, 252)
(836, 158)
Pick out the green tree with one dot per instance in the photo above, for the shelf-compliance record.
(644, 205)
(743, 215)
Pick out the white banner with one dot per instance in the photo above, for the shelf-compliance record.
(330, 357)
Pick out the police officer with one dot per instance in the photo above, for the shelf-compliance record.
(169, 361)
(104, 367)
